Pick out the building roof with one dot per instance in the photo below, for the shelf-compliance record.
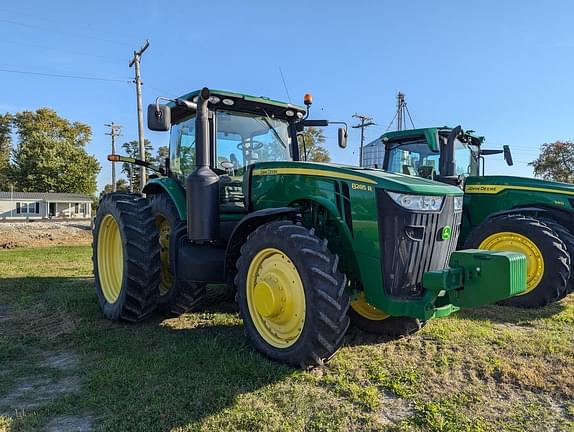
(45, 196)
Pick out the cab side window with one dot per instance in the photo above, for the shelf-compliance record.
(182, 147)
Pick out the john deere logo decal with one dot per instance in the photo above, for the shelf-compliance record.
(446, 232)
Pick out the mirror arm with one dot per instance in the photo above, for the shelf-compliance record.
(179, 102)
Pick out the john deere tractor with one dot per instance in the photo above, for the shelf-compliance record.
(526, 215)
(306, 246)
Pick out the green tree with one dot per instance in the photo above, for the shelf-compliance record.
(5, 150)
(133, 172)
(555, 162)
(161, 156)
(314, 149)
(122, 185)
(50, 154)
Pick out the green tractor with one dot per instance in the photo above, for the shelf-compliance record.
(526, 215)
(307, 247)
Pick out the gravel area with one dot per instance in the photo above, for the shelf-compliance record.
(44, 233)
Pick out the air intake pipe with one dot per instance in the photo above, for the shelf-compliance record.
(202, 185)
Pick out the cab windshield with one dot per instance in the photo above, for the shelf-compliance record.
(415, 158)
(241, 140)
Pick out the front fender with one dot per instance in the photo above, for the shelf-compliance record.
(173, 188)
(247, 225)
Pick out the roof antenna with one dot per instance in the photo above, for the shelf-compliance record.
(284, 84)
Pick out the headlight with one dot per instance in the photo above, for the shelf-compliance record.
(417, 202)
(458, 203)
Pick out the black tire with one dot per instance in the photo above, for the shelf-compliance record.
(139, 288)
(552, 248)
(176, 296)
(566, 236)
(324, 286)
(392, 327)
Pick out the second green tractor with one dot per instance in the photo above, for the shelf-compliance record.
(500, 213)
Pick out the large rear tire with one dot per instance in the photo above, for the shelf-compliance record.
(548, 261)
(566, 236)
(372, 320)
(291, 295)
(125, 257)
(175, 296)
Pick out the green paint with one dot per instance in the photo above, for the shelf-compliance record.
(175, 190)
(517, 192)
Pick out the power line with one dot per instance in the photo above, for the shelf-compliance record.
(59, 49)
(16, 23)
(365, 123)
(66, 76)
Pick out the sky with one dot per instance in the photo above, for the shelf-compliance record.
(503, 69)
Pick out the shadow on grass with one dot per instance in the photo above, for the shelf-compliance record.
(155, 375)
(511, 315)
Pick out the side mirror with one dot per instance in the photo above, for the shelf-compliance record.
(507, 155)
(342, 137)
(158, 117)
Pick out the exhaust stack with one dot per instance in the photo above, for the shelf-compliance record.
(202, 185)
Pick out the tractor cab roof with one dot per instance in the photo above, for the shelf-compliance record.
(221, 99)
(430, 135)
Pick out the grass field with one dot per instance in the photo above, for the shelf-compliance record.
(64, 367)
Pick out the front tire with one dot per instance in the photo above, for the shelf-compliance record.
(291, 295)
(126, 257)
(548, 261)
(372, 320)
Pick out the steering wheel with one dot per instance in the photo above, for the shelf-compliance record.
(253, 145)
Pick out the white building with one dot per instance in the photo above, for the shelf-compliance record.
(36, 205)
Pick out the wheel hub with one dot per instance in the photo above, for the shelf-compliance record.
(267, 299)
(276, 298)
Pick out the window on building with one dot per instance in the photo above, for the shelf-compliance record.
(27, 208)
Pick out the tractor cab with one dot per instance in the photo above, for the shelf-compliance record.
(445, 154)
(244, 130)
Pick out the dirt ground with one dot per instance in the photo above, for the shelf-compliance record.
(44, 233)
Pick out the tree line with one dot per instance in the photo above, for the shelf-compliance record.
(49, 154)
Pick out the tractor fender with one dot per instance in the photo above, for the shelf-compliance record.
(247, 225)
(560, 215)
(173, 188)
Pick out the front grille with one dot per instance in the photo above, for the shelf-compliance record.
(411, 244)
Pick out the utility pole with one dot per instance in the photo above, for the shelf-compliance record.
(365, 123)
(114, 132)
(136, 59)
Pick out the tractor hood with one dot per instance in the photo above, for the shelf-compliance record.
(361, 176)
(496, 184)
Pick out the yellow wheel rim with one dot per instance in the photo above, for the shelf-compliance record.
(164, 230)
(275, 298)
(514, 242)
(364, 309)
(110, 258)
